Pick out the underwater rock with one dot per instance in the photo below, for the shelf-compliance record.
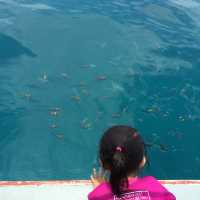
(18, 49)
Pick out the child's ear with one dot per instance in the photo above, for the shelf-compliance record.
(143, 162)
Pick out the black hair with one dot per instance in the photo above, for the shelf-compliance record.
(121, 152)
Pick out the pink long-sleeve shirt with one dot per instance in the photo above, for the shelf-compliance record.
(146, 188)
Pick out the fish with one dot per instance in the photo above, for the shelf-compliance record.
(82, 84)
(140, 120)
(85, 124)
(113, 63)
(162, 147)
(175, 133)
(117, 87)
(153, 111)
(181, 118)
(88, 66)
(76, 17)
(116, 115)
(102, 78)
(166, 114)
(130, 73)
(53, 126)
(149, 110)
(55, 109)
(44, 78)
(37, 6)
(54, 113)
(65, 75)
(154, 144)
(105, 97)
(85, 92)
(26, 95)
(76, 98)
(60, 136)
(92, 65)
(149, 144)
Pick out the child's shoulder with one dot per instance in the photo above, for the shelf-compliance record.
(151, 183)
(156, 188)
(148, 179)
(100, 190)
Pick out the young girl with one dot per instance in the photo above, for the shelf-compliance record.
(122, 154)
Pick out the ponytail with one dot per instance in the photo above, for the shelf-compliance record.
(118, 176)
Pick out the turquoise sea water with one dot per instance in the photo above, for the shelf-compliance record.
(70, 69)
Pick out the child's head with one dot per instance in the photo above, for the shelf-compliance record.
(122, 152)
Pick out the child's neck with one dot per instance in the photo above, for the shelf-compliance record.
(133, 176)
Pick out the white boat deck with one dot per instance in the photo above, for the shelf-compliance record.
(78, 190)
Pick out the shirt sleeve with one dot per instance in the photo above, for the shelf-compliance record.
(170, 196)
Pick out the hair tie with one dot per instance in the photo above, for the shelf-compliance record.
(118, 148)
